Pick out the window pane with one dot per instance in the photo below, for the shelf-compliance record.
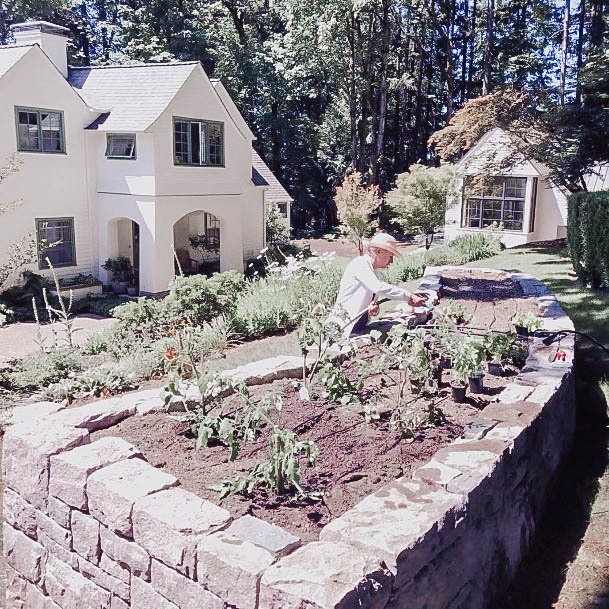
(50, 123)
(216, 145)
(28, 131)
(56, 242)
(283, 209)
(491, 212)
(471, 216)
(212, 231)
(121, 146)
(513, 215)
(515, 187)
(182, 148)
(195, 139)
(494, 188)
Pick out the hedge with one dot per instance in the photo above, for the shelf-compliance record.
(588, 237)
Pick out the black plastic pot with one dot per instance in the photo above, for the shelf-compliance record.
(476, 383)
(521, 331)
(495, 369)
(458, 391)
(446, 362)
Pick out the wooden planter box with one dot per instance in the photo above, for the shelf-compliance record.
(79, 291)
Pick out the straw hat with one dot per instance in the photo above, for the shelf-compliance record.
(384, 242)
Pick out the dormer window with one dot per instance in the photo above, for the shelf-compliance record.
(120, 146)
(40, 130)
(198, 142)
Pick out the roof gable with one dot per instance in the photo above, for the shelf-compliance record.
(495, 146)
(134, 96)
(9, 56)
(263, 176)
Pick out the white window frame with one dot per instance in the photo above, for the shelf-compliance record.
(204, 143)
(528, 207)
(109, 142)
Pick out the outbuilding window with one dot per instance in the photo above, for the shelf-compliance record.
(120, 146)
(40, 130)
(502, 201)
(198, 142)
(55, 238)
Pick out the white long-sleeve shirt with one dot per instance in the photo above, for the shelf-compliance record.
(358, 287)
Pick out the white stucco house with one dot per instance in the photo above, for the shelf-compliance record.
(129, 160)
(520, 198)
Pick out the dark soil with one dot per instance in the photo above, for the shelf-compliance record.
(356, 456)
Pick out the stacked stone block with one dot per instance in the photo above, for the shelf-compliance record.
(92, 525)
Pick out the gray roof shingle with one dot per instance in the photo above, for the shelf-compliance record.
(9, 56)
(133, 95)
(275, 191)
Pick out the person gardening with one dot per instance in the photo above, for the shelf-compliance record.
(360, 286)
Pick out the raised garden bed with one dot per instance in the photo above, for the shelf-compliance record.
(448, 532)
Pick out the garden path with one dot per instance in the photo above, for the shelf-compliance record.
(17, 340)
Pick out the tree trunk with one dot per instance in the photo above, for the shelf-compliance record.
(564, 51)
(352, 90)
(597, 25)
(377, 152)
(472, 40)
(488, 48)
(579, 52)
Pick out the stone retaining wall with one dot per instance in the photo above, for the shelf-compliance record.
(94, 526)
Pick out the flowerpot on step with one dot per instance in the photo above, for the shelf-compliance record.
(495, 369)
(476, 383)
(458, 391)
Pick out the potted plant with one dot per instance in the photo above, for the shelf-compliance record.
(121, 270)
(525, 323)
(497, 345)
(467, 357)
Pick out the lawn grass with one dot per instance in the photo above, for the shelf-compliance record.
(252, 351)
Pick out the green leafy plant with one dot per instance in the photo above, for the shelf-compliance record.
(527, 320)
(498, 345)
(316, 336)
(338, 388)
(281, 471)
(419, 198)
(467, 355)
(61, 314)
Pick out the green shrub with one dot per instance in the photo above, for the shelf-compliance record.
(405, 268)
(476, 246)
(99, 304)
(98, 343)
(199, 299)
(466, 248)
(40, 369)
(588, 237)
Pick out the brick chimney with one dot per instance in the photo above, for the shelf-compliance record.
(51, 38)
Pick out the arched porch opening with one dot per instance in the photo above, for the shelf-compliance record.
(196, 239)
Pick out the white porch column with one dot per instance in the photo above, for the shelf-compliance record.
(148, 253)
(231, 242)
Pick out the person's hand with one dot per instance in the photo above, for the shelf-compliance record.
(416, 301)
(373, 308)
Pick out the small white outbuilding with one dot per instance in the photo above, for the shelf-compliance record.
(519, 198)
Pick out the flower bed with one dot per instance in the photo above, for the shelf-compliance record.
(469, 512)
